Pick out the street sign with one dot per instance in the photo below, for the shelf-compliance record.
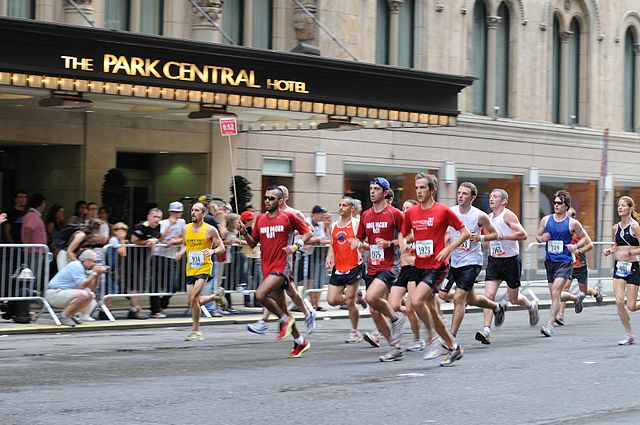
(228, 126)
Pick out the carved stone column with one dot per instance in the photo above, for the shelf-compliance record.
(305, 28)
(492, 41)
(73, 17)
(201, 28)
(565, 37)
(394, 30)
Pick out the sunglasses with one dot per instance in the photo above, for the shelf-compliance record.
(558, 203)
(270, 198)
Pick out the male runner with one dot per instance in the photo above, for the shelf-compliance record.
(274, 230)
(557, 231)
(580, 273)
(346, 265)
(429, 221)
(504, 261)
(198, 239)
(379, 225)
(466, 260)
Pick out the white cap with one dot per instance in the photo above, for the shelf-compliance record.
(176, 207)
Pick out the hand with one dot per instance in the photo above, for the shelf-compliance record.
(99, 268)
(381, 242)
(329, 264)
(290, 249)
(442, 255)
(242, 228)
(173, 220)
(544, 238)
(3, 217)
(152, 242)
(355, 243)
(606, 252)
(179, 255)
(572, 248)
(474, 237)
(208, 252)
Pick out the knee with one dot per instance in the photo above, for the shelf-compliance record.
(416, 302)
(371, 300)
(632, 307)
(333, 300)
(261, 296)
(350, 301)
(409, 308)
(459, 299)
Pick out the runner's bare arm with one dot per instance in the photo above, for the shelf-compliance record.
(446, 251)
(609, 251)
(490, 232)
(216, 239)
(584, 244)
(183, 247)
(542, 235)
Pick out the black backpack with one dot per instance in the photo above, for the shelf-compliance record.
(60, 239)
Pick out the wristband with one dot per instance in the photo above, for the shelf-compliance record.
(296, 245)
(93, 273)
(299, 243)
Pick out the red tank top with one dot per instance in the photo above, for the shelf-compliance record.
(344, 257)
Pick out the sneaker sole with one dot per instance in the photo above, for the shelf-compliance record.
(395, 359)
(304, 350)
(482, 339)
(255, 331)
(372, 342)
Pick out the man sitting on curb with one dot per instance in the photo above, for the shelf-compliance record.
(72, 288)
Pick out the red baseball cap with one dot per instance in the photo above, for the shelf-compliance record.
(247, 216)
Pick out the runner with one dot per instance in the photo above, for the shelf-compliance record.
(626, 272)
(406, 283)
(346, 265)
(379, 225)
(580, 273)
(557, 231)
(504, 261)
(466, 260)
(427, 224)
(274, 230)
(260, 327)
(198, 239)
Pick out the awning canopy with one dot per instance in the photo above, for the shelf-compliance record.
(97, 61)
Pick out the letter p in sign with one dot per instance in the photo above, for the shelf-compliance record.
(228, 126)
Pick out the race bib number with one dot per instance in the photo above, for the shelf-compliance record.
(196, 259)
(377, 255)
(496, 248)
(464, 246)
(424, 248)
(555, 247)
(623, 269)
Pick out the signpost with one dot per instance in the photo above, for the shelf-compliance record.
(229, 127)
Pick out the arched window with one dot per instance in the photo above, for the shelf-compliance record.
(555, 72)
(502, 61)
(405, 36)
(573, 70)
(480, 58)
(630, 83)
(382, 32)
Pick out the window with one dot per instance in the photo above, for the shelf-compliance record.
(573, 63)
(21, 9)
(630, 83)
(583, 199)
(480, 58)
(151, 16)
(555, 72)
(277, 167)
(486, 182)
(116, 14)
(382, 32)
(502, 59)
(405, 36)
(232, 20)
(261, 20)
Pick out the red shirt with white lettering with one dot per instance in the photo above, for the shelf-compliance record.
(429, 229)
(385, 224)
(274, 234)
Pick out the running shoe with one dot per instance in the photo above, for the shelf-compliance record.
(353, 338)
(84, 318)
(394, 355)
(484, 336)
(135, 314)
(418, 345)
(66, 320)
(598, 296)
(559, 320)
(372, 339)
(310, 321)
(498, 318)
(221, 300)
(286, 327)
(258, 328)
(546, 330)
(396, 329)
(434, 349)
(578, 305)
(452, 357)
(628, 340)
(299, 349)
(360, 299)
(194, 336)
(534, 316)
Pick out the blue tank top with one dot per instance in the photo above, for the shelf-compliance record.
(560, 237)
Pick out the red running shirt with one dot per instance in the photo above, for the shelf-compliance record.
(386, 225)
(274, 234)
(429, 229)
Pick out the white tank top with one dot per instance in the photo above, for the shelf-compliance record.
(503, 248)
(469, 253)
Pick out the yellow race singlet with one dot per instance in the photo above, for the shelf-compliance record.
(196, 242)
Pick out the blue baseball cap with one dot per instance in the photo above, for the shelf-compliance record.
(382, 182)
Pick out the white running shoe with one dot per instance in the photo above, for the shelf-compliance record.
(434, 349)
(195, 336)
(418, 345)
(628, 340)
(353, 338)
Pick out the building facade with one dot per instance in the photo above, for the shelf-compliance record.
(552, 75)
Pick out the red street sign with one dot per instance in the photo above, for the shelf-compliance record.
(228, 126)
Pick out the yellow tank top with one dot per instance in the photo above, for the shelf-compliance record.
(195, 242)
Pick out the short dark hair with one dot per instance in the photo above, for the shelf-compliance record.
(18, 192)
(472, 187)
(564, 196)
(36, 200)
(277, 189)
(432, 180)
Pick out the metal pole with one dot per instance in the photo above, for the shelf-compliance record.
(206, 16)
(233, 176)
(84, 15)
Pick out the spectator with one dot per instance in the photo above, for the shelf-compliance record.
(115, 255)
(33, 228)
(79, 213)
(233, 262)
(212, 220)
(72, 287)
(313, 270)
(165, 272)
(79, 241)
(358, 208)
(103, 236)
(104, 214)
(147, 234)
(13, 225)
(3, 217)
(55, 221)
(250, 272)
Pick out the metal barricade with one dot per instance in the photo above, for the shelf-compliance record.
(535, 278)
(13, 287)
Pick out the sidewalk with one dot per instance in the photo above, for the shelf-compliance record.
(176, 317)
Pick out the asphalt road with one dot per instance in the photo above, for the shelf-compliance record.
(152, 376)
